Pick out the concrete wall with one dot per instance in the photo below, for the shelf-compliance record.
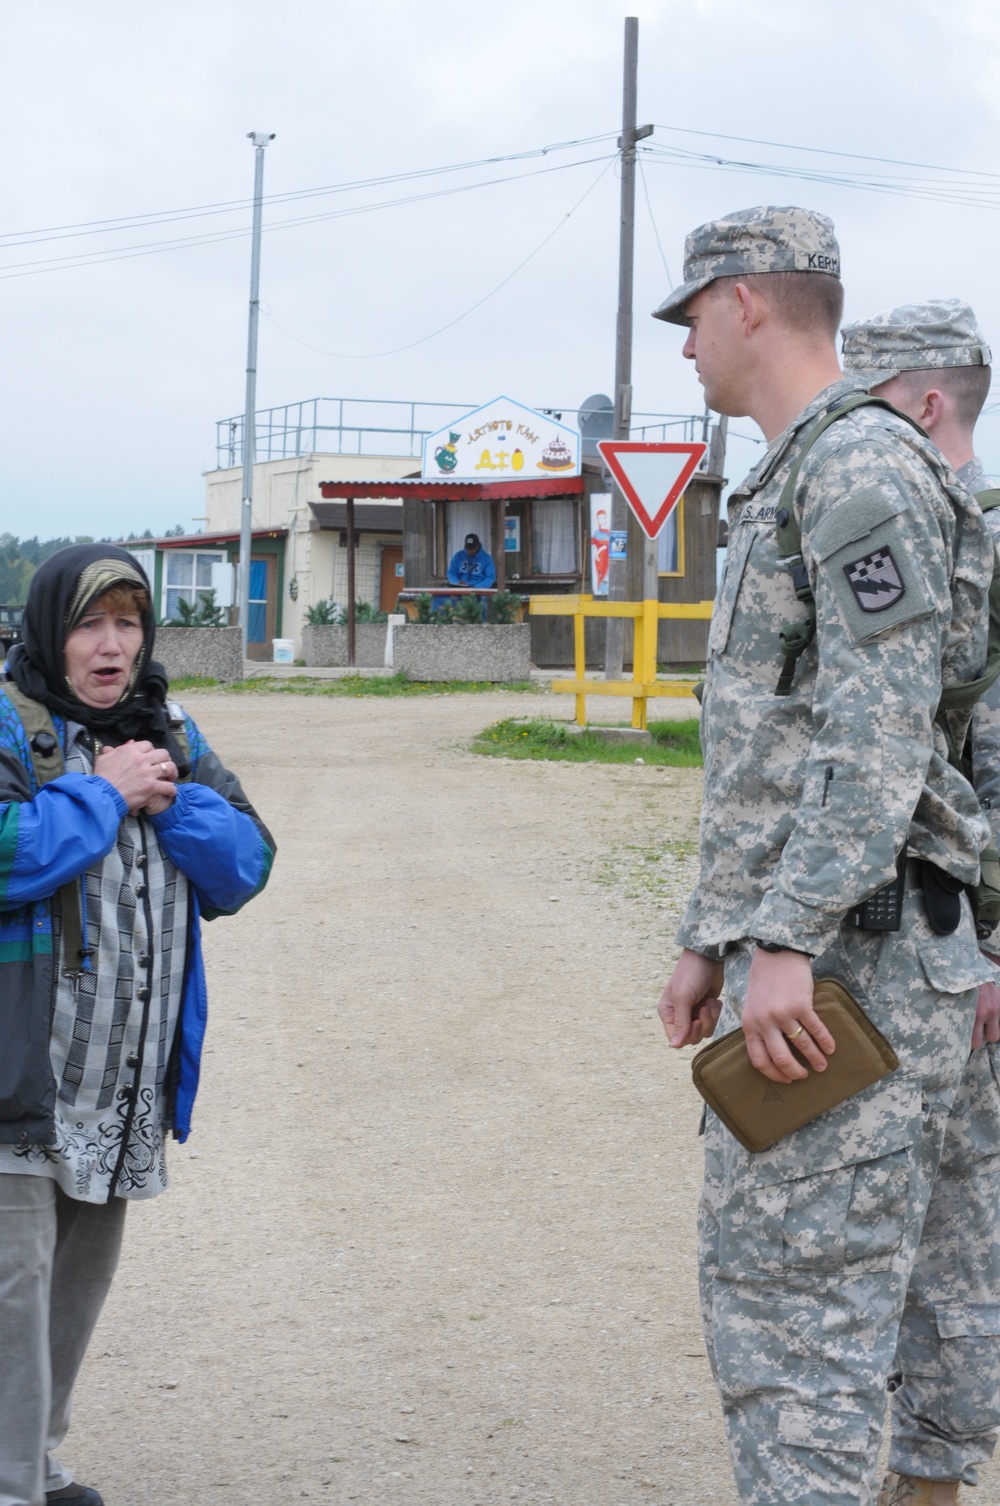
(283, 490)
(460, 651)
(211, 652)
(326, 647)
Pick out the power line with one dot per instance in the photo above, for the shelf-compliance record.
(378, 354)
(82, 228)
(652, 221)
(152, 248)
(971, 196)
(831, 152)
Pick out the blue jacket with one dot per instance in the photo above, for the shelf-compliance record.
(51, 836)
(472, 569)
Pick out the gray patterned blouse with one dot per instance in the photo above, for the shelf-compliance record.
(113, 1025)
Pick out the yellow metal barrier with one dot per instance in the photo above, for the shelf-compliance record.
(646, 615)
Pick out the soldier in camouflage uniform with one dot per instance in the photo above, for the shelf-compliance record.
(806, 1249)
(931, 361)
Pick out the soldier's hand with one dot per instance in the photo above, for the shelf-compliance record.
(987, 1026)
(778, 1009)
(689, 1006)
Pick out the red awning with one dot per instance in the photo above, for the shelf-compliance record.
(456, 491)
(186, 540)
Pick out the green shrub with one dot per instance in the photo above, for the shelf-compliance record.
(363, 612)
(467, 609)
(504, 608)
(202, 613)
(322, 613)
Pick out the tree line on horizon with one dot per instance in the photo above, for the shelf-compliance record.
(20, 558)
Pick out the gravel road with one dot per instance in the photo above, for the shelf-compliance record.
(431, 1241)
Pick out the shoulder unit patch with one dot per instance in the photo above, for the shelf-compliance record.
(875, 580)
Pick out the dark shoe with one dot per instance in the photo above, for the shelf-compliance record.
(76, 1495)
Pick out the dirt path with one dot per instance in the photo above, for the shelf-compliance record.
(431, 1241)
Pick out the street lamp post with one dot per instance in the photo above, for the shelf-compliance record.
(260, 140)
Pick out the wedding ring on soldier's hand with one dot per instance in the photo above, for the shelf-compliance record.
(791, 1034)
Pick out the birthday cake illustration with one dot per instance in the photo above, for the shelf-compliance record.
(555, 457)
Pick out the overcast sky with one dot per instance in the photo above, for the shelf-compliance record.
(116, 371)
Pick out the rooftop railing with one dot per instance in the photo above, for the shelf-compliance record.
(376, 426)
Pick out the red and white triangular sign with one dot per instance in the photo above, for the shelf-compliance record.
(652, 476)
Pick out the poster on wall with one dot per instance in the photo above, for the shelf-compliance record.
(502, 441)
(512, 535)
(600, 541)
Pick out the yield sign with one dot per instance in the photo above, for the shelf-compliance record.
(652, 476)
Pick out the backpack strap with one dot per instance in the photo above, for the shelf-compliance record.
(963, 697)
(47, 763)
(796, 637)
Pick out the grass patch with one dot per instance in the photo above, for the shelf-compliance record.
(674, 743)
(665, 872)
(348, 685)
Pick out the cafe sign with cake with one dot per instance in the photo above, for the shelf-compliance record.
(502, 441)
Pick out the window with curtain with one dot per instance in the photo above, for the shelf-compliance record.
(187, 572)
(463, 518)
(553, 534)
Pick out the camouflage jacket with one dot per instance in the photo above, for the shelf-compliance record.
(986, 714)
(809, 798)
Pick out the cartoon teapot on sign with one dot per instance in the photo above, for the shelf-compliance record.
(445, 454)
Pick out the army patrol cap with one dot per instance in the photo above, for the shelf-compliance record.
(916, 337)
(764, 239)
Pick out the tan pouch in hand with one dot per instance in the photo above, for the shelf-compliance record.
(760, 1112)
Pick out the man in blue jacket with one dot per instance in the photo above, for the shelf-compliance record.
(472, 566)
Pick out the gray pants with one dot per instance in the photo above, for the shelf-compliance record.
(57, 1260)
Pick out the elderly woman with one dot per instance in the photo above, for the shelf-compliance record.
(119, 827)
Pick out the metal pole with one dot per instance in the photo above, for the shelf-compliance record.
(351, 608)
(260, 140)
(623, 343)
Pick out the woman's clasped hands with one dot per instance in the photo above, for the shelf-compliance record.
(144, 776)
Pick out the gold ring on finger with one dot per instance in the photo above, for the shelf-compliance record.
(791, 1034)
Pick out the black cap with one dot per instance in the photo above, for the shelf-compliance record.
(472, 541)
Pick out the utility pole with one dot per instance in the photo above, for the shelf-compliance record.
(623, 344)
(260, 140)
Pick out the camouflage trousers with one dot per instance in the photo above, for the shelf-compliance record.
(807, 1249)
(946, 1381)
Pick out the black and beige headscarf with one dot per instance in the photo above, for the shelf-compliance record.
(61, 591)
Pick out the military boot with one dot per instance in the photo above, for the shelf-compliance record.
(906, 1490)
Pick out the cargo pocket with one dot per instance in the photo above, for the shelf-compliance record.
(849, 1220)
(966, 1391)
(840, 1432)
(831, 1198)
(952, 964)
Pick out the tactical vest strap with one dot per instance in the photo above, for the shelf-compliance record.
(962, 697)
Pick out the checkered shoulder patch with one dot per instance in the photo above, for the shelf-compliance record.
(875, 580)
